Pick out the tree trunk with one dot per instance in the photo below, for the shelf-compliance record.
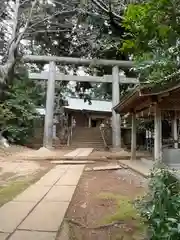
(13, 44)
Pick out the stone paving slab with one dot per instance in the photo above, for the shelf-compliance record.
(12, 214)
(75, 171)
(85, 152)
(137, 166)
(32, 194)
(47, 216)
(70, 178)
(52, 176)
(76, 167)
(80, 152)
(23, 216)
(58, 169)
(3, 236)
(64, 232)
(60, 194)
(105, 168)
(29, 235)
(74, 153)
(72, 162)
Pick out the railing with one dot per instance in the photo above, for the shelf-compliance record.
(70, 133)
(102, 131)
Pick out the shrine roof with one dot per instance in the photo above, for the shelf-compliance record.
(143, 96)
(78, 104)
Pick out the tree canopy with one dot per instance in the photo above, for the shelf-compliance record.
(152, 38)
(86, 28)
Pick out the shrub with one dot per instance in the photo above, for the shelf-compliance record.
(161, 206)
(18, 110)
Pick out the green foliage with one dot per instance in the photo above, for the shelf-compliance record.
(161, 206)
(18, 110)
(153, 38)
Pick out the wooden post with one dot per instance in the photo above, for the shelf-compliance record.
(48, 126)
(157, 134)
(175, 130)
(116, 130)
(133, 137)
(89, 121)
(72, 119)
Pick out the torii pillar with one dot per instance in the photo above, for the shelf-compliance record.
(116, 121)
(48, 126)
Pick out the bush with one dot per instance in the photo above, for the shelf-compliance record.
(161, 206)
(18, 110)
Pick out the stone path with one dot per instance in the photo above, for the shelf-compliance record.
(80, 152)
(72, 162)
(46, 154)
(138, 166)
(38, 212)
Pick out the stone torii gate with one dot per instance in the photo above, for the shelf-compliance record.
(52, 76)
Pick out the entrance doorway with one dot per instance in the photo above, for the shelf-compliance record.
(94, 123)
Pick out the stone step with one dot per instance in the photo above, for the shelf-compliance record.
(89, 137)
(85, 143)
(88, 141)
(95, 147)
(82, 136)
(89, 145)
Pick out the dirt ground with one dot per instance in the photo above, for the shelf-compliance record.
(16, 176)
(102, 208)
(123, 153)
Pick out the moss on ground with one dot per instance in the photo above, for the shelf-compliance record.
(126, 213)
(125, 208)
(15, 187)
(7, 193)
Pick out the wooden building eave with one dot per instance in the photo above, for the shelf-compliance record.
(142, 99)
(106, 113)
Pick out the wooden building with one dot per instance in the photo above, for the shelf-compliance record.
(88, 114)
(159, 103)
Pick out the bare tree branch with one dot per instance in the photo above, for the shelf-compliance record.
(65, 28)
(55, 14)
(105, 8)
(59, 3)
(46, 31)
(27, 23)
(24, 2)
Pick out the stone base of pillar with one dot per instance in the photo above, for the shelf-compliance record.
(116, 149)
(50, 148)
(46, 147)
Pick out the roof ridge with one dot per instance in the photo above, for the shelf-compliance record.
(92, 99)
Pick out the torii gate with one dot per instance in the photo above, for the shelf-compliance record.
(51, 77)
